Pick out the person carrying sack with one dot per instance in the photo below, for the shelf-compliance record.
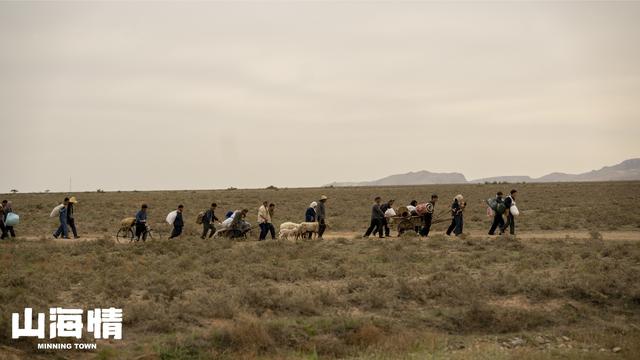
(511, 221)
(385, 222)
(427, 218)
(178, 223)
(62, 215)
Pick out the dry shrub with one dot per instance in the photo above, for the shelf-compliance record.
(448, 287)
(328, 297)
(481, 318)
(409, 234)
(245, 335)
(329, 345)
(262, 298)
(365, 336)
(202, 303)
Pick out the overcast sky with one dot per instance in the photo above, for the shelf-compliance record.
(211, 95)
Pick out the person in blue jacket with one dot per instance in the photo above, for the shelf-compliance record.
(62, 229)
(141, 223)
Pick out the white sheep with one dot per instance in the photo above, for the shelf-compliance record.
(286, 233)
(288, 225)
(306, 227)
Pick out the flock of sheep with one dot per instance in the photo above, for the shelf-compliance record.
(291, 230)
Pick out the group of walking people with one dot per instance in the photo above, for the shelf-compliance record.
(382, 213)
(66, 215)
(502, 208)
(235, 221)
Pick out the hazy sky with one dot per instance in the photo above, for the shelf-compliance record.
(211, 95)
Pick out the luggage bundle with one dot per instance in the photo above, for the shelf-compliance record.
(171, 217)
(56, 211)
(425, 208)
(127, 223)
(500, 207)
(496, 206)
(493, 203)
(514, 210)
(404, 211)
(12, 219)
(200, 217)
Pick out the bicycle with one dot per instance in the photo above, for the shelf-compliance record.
(126, 234)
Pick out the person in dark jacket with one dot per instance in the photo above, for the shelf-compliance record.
(270, 227)
(457, 223)
(321, 216)
(376, 219)
(310, 216)
(427, 218)
(208, 220)
(178, 223)
(498, 220)
(141, 223)
(385, 223)
(511, 221)
(71, 221)
(7, 208)
(62, 229)
(2, 227)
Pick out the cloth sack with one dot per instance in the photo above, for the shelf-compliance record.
(514, 210)
(56, 211)
(12, 219)
(171, 217)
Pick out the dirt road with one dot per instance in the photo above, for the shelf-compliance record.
(606, 235)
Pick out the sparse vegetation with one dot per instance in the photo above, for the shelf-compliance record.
(345, 297)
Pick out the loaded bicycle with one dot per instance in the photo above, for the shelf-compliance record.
(126, 233)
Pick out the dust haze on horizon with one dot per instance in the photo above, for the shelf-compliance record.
(124, 96)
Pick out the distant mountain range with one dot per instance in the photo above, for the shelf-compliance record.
(624, 171)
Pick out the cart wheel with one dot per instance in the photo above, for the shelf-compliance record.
(124, 236)
(405, 225)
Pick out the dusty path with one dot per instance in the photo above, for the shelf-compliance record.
(606, 235)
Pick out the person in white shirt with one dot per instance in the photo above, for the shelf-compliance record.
(264, 220)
